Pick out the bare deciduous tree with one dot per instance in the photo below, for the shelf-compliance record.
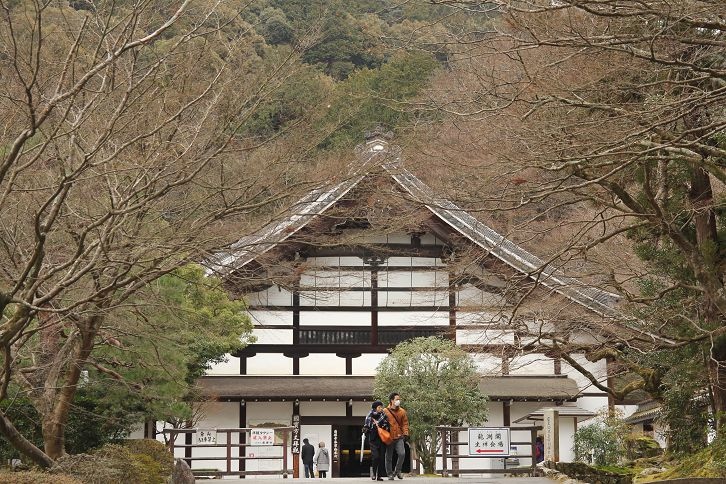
(120, 157)
(604, 121)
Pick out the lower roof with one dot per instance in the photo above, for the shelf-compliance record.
(360, 388)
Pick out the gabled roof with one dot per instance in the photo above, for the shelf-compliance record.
(376, 152)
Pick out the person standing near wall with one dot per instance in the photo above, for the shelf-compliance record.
(398, 421)
(376, 418)
(306, 454)
(322, 460)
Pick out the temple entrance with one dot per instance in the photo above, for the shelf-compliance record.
(349, 442)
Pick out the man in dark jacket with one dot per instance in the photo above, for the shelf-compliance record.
(376, 418)
(306, 454)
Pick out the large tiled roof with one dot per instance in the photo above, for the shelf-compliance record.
(247, 387)
(376, 152)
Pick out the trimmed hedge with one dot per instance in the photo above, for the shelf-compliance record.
(140, 462)
(36, 477)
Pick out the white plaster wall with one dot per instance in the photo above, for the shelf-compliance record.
(567, 439)
(531, 364)
(488, 364)
(264, 317)
(335, 261)
(334, 318)
(361, 409)
(228, 367)
(137, 432)
(413, 261)
(269, 364)
(366, 364)
(316, 434)
(484, 336)
(259, 413)
(598, 368)
(412, 318)
(335, 278)
(413, 298)
(335, 298)
(217, 415)
(322, 364)
(413, 279)
(495, 419)
(593, 403)
(480, 317)
(322, 409)
(472, 296)
(272, 296)
(273, 336)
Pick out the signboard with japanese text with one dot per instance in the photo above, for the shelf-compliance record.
(206, 436)
(295, 447)
(489, 442)
(262, 437)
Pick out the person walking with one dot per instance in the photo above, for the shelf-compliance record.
(306, 454)
(322, 460)
(398, 422)
(376, 418)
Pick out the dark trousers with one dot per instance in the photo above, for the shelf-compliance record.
(378, 463)
(400, 449)
(309, 472)
(322, 474)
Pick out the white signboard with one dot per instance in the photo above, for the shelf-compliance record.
(489, 442)
(262, 437)
(206, 436)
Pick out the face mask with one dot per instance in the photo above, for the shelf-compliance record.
(397, 403)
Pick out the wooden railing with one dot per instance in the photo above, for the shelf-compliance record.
(363, 336)
(228, 447)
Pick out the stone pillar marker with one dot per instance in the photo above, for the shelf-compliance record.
(551, 429)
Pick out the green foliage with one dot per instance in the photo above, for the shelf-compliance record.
(601, 443)
(94, 420)
(439, 384)
(708, 462)
(36, 477)
(685, 417)
(117, 464)
(378, 97)
(639, 446)
(180, 326)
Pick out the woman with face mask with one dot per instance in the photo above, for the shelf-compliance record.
(398, 421)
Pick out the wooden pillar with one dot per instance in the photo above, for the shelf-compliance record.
(507, 413)
(452, 306)
(295, 445)
(551, 435)
(296, 329)
(242, 449)
(374, 304)
(188, 448)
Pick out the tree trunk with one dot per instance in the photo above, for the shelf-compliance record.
(54, 422)
(717, 378)
(8, 430)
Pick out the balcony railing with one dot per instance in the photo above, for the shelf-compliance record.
(363, 336)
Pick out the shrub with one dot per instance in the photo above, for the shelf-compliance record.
(639, 446)
(137, 461)
(162, 462)
(36, 477)
(602, 443)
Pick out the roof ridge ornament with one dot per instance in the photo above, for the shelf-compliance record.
(377, 140)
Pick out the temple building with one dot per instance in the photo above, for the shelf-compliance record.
(376, 258)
